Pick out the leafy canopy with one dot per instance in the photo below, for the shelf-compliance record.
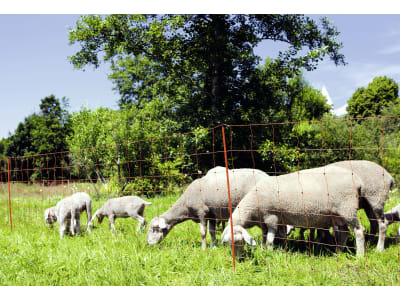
(204, 65)
(381, 93)
(43, 132)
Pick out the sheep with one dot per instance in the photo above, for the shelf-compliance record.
(317, 198)
(376, 183)
(375, 187)
(205, 199)
(70, 208)
(50, 215)
(123, 207)
(392, 216)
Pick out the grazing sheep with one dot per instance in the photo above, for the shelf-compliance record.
(392, 216)
(50, 216)
(314, 198)
(205, 199)
(376, 183)
(70, 209)
(123, 207)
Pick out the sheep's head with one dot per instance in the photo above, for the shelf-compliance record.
(158, 229)
(100, 218)
(240, 235)
(50, 216)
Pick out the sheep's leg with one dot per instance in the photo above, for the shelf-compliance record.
(111, 222)
(270, 237)
(68, 226)
(383, 224)
(373, 220)
(239, 251)
(73, 220)
(264, 230)
(222, 226)
(203, 232)
(341, 234)
(398, 235)
(78, 223)
(212, 223)
(142, 223)
(360, 239)
(62, 228)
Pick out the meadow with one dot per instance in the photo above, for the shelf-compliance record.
(33, 254)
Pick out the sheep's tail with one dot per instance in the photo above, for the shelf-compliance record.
(147, 203)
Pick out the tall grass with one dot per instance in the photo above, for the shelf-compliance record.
(33, 254)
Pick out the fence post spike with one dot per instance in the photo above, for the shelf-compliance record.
(229, 197)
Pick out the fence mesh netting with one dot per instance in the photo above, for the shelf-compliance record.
(298, 186)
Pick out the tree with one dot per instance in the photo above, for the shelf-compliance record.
(381, 93)
(121, 148)
(204, 64)
(42, 133)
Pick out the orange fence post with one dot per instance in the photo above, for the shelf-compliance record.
(9, 191)
(229, 197)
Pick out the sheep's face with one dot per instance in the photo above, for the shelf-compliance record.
(240, 236)
(100, 218)
(158, 229)
(49, 216)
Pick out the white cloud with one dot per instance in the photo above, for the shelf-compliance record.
(362, 74)
(324, 92)
(341, 110)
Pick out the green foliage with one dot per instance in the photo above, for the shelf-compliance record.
(381, 93)
(122, 145)
(3, 147)
(42, 133)
(203, 64)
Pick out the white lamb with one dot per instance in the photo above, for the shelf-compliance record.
(68, 212)
(123, 207)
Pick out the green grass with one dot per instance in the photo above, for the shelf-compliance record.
(33, 254)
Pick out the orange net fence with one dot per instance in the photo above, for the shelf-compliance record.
(313, 187)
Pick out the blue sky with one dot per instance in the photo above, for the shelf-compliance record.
(34, 51)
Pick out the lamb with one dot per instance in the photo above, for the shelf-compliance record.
(309, 198)
(205, 199)
(123, 207)
(392, 216)
(50, 215)
(70, 209)
(376, 184)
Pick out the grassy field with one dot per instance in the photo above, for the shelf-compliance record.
(33, 254)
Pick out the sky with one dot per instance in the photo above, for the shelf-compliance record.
(34, 63)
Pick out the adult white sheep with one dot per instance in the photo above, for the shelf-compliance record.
(69, 210)
(375, 187)
(205, 199)
(123, 207)
(310, 198)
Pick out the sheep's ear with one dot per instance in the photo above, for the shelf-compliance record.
(161, 223)
(226, 235)
(248, 238)
(289, 229)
